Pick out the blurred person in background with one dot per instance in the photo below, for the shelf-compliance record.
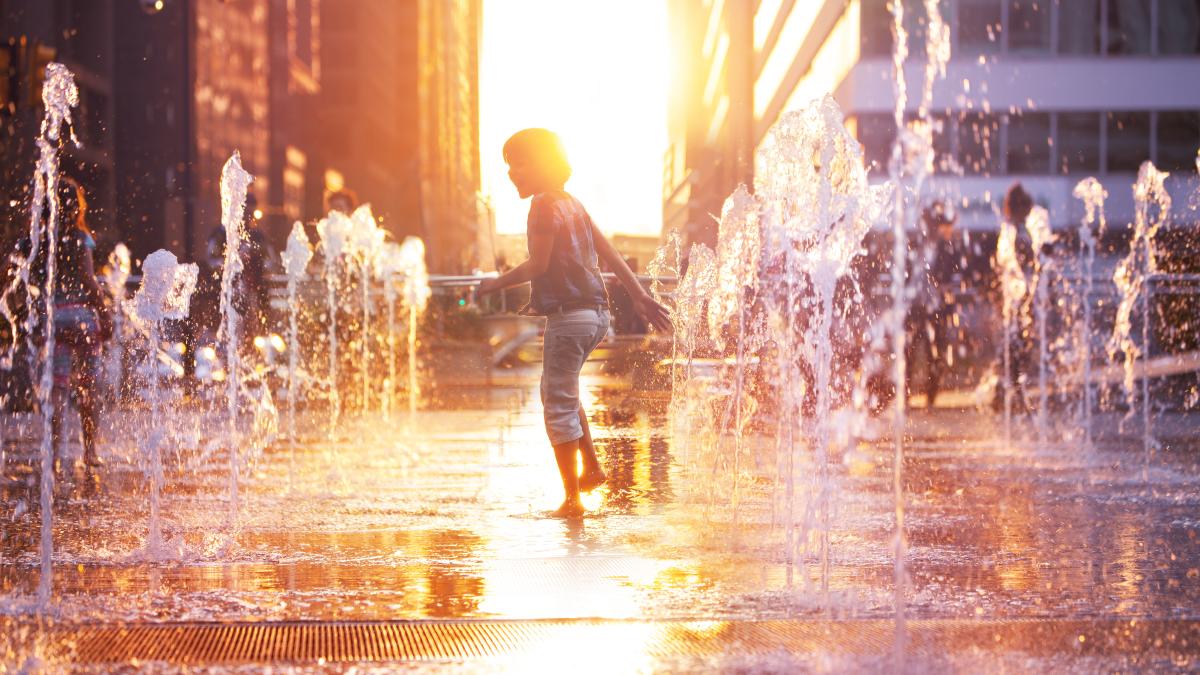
(82, 322)
(1018, 204)
(931, 313)
(343, 201)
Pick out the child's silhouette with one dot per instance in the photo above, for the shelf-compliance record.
(563, 269)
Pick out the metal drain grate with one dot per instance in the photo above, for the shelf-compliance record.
(298, 642)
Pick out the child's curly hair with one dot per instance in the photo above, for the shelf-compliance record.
(544, 149)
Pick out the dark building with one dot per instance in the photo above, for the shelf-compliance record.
(366, 114)
(397, 120)
(196, 80)
(79, 34)
(376, 96)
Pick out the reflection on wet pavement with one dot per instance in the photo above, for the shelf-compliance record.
(449, 520)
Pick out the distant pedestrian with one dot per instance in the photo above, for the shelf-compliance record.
(565, 249)
(251, 292)
(1018, 204)
(82, 322)
(932, 310)
(342, 201)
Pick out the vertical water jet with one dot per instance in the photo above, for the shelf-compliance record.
(235, 181)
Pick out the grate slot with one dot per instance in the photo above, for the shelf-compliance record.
(476, 640)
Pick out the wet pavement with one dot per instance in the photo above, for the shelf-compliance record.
(445, 517)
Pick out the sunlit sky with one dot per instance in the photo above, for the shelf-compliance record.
(595, 73)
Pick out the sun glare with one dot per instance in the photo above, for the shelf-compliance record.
(595, 73)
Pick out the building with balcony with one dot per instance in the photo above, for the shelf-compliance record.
(1044, 92)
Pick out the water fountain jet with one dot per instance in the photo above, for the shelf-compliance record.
(295, 263)
(235, 181)
(1093, 195)
(416, 294)
(1133, 278)
(334, 231)
(165, 293)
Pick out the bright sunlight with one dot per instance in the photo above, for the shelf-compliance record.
(595, 73)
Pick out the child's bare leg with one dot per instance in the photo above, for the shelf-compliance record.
(564, 454)
(57, 412)
(592, 476)
(89, 420)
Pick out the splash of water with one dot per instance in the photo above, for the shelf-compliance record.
(813, 187)
(666, 264)
(334, 231)
(366, 240)
(59, 96)
(688, 316)
(416, 293)
(1092, 193)
(739, 247)
(1013, 288)
(234, 183)
(911, 162)
(390, 265)
(1133, 278)
(115, 279)
(295, 264)
(1041, 236)
(165, 292)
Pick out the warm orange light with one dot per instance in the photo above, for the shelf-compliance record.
(595, 73)
(334, 180)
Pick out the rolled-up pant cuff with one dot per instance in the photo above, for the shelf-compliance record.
(564, 438)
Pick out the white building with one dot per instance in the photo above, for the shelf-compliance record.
(1044, 92)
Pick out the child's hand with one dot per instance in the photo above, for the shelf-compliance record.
(486, 286)
(651, 312)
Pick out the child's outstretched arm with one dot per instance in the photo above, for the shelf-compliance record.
(541, 242)
(645, 306)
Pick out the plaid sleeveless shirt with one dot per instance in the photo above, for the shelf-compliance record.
(572, 278)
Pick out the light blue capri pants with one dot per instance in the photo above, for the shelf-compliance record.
(570, 337)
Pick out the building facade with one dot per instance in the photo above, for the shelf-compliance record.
(79, 34)
(456, 222)
(378, 97)
(1044, 92)
(197, 80)
(396, 121)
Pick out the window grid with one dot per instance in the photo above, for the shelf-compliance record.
(874, 131)
(1054, 39)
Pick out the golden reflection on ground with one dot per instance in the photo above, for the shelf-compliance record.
(450, 520)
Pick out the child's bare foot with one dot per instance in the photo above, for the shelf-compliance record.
(591, 480)
(569, 509)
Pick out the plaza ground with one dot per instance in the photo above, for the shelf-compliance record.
(425, 543)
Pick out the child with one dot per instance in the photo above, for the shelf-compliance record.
(82, 322)
(565, 287)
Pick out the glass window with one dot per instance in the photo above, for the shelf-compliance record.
(876, 132)
(1178, 140)
(942, 134)
(978, 27)
(1179, 26)
(1028, 26)
(1129, 26)
(979, 143)
(1078, 142)
(916, 24)
(876, 38)
(1128, 141)
(943, 146)
(1078, 26)
(1029, 143)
